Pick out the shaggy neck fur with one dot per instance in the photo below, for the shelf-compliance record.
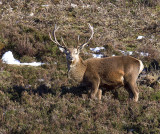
(76, 70)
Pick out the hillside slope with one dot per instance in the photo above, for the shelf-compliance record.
(42, 100)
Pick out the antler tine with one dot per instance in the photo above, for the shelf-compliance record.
(51, 38)
(78, 39)
(54, 34)
(63, 41)
(55, 39)
(91, 28)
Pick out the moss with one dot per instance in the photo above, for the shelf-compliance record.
(28, 59)
(131, 47)
(3, 43)
(2, 46)
(39, 36)
(26, 29)
(155, 96)
(158, 8)
(5, 80)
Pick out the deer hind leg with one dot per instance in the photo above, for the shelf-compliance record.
(134, 89)
(131, 85)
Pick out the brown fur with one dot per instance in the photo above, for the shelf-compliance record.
(111, 71)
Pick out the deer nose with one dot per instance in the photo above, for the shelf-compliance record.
(70, 58)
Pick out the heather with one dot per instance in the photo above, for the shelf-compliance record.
(43, 100)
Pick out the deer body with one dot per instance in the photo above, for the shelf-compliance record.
(110, 71)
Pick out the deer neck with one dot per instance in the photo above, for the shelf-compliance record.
(76, 70)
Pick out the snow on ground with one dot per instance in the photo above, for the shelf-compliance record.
(131, 53)
(86, 6)
(97, 49)
(74, 5)
(140, 37)
(83, 6)
(126, 53)
(45, 5)
(9, 59)
(31, 14)
(98, 55)
(143, 54)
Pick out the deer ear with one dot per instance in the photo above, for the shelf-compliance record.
(78, 49)
(61, 49)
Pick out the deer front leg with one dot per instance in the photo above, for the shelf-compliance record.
(99, 94)
(94, 90)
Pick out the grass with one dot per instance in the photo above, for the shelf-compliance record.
(42, 100)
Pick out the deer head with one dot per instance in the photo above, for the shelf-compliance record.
(72, 54)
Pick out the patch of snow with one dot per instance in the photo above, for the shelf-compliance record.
(45, 5)
(32, 64)
(31, 14)
(10, 9)
(143, 54)
(97, 49)
(123, 52)
(97, 55)
(140, 37)
(9, 59)
(74, 5)
(126, 53)
(130, 52)
(83, 6)
(40, 80)
(86, 6)
(98, 8)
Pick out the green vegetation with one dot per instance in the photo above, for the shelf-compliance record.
(42, 100)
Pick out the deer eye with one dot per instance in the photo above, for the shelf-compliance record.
(67, 52)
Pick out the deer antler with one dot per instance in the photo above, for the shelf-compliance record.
(83, 45)
(78, 40)
(63, 42)
(55, 39)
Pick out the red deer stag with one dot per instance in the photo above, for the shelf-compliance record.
(112, 71)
